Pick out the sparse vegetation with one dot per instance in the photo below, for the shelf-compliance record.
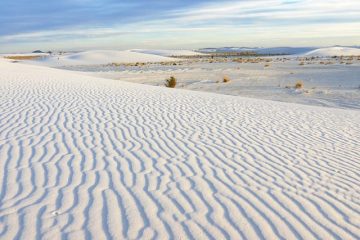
(298, 85)
(18, 58)
(137, 64)
(170, 82)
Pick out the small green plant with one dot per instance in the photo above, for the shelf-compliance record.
(170, 82)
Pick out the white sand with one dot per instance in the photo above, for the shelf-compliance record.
(24, 54)
(84, 157)
(331, 85)
(168, 53)
(334, 51)
(96, 57)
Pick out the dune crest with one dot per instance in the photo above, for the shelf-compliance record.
(334, 51)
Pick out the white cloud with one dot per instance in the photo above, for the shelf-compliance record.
(256, 22)
(272, 9)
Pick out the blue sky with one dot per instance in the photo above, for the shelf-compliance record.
(113, 24)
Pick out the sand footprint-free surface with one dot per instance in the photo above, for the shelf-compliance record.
(89, 158)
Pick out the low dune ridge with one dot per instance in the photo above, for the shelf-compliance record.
(334, 51)
(169, 53)
(98, 57)
(84, 157)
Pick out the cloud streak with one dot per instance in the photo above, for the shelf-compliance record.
(150, 22)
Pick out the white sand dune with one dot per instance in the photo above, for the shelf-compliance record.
(96, 57)
(334, 51)
(24, 54)
(84, 157)
(168, 53)
(272, 50)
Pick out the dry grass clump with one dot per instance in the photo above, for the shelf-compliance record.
(137, 64)
(170, 63)
(239, 60)
(299, 85)
(252, 60)
(170, 82)
(226, 79)
(22, 57)
(267, 65)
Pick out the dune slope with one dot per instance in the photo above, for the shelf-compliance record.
(334, 51)
(168, 53)
(97, 57)
(84, 157)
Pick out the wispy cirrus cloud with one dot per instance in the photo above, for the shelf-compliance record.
(174, 23)
(273, 11)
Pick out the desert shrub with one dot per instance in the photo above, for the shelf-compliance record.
(170, 82)
(226, 79)
(299, 85)
(16, 58)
